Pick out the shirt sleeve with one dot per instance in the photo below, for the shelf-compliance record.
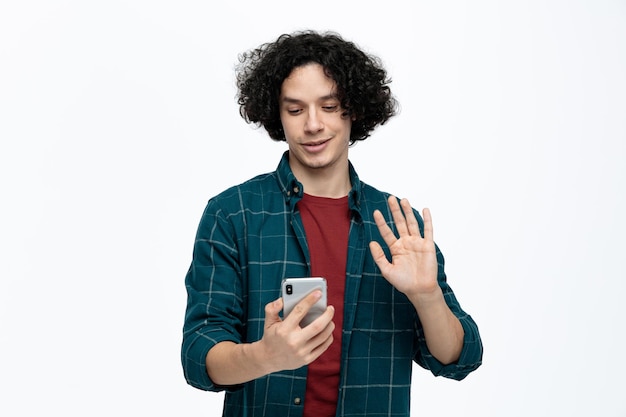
(472, 352)
(214, 296)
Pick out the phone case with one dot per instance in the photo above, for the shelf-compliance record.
(295, 289)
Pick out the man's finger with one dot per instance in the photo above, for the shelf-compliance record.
(411, 221)
(271, 312)
(385, 231)
(303, 307)
(398, 216)
(428, 224)
(379, 257)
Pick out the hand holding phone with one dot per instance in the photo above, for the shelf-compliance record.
(295, 289)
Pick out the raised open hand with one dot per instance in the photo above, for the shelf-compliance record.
(413, 267)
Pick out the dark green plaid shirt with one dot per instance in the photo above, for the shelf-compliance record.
(250, 237)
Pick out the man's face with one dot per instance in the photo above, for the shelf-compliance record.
(317, 133)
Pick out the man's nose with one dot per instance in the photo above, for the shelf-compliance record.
(313, 122)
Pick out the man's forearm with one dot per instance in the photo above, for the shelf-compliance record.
(442, 329)
(230, 363)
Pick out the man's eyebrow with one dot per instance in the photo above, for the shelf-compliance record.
(295, 100)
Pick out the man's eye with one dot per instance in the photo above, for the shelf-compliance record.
(330, 108)
(294, 111)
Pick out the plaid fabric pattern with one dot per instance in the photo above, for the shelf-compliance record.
(249, 238)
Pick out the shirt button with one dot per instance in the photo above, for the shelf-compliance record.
(296, 190)
(297, 401)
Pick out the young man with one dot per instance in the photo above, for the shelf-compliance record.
(389, 303)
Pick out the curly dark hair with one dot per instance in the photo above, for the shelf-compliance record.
(362, 83)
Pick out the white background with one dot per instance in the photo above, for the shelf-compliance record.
(118, 121)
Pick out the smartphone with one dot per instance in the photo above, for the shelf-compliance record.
(295, 289)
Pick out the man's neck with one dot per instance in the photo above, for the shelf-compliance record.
(325, 182)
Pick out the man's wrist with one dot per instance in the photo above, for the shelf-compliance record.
(427, 300)
(256, 355)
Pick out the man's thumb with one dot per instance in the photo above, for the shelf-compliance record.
(271, 311)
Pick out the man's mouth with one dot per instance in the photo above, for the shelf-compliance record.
(316, 143)
(316, 146)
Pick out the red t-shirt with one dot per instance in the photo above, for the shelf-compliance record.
(326, 224)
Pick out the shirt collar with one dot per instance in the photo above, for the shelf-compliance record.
(293, 190)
